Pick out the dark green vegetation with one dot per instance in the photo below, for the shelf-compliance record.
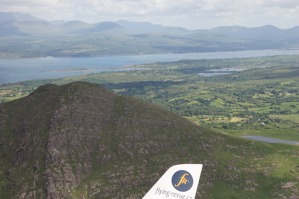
(253, 96)
(26, 36)
(82, 141)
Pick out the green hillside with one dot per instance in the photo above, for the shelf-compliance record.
(82, 141)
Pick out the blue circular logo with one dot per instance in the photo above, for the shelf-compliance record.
(182, 180)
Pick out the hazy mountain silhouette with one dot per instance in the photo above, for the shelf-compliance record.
(28, 36)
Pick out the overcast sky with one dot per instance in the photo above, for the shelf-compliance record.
(192, 14)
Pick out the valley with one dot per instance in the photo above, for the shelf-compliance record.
(251, 96)
(99, 98)
(222, 100)
(79, 140)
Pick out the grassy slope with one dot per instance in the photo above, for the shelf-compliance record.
(145, 140)
(248, 98)
(239, 103)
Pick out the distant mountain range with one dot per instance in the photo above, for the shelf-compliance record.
(26, 36)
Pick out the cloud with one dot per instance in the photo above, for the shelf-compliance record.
(27, 4)
(216, 12)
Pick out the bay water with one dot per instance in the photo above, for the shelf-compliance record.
(21, 69)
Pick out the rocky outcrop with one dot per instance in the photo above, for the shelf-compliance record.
(61, 135)
(82, 141)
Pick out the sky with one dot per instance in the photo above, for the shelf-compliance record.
(191, 14)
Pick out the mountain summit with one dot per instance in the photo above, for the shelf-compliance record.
(27, 36)
(16, 16)
(81, 141)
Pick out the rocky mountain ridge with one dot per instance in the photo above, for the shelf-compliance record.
(81, 141)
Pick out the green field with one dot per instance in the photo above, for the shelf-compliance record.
(258, 95)
(255, 101)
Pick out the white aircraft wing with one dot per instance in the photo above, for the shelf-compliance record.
(178, 182)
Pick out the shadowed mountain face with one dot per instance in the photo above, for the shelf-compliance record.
(82, 141)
